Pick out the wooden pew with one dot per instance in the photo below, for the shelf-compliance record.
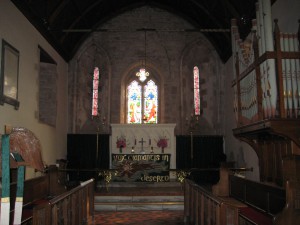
(47, 201)
(70, 208)
(238, 201)
(202, 207)
(263, 201)
(291, 213)
(36, 191)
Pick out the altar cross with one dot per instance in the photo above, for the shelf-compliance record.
(142, 142)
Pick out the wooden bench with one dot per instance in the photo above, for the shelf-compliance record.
(238, 201)
(73, 207)
(36, 191)
(263, 201)
(291, 213)
(47, 200)
(202, 207)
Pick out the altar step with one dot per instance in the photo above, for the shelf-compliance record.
(137, 196)
(138, 203)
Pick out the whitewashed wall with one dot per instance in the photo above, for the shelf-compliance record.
(17, 30)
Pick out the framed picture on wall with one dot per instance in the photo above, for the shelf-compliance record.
(9, 75)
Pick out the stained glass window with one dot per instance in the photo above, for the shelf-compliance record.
(196, 91)
(95, 92)
(150, 102)
(142, 102)
(134, 103)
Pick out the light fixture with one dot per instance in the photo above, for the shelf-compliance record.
(142, 73)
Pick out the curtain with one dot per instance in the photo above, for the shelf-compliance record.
(201, 153)
(82, 155)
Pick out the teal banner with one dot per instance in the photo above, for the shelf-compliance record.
(5, 167)
(141, 167)
(20, 182)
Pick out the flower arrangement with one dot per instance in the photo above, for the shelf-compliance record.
(162, 143)
(121, 142)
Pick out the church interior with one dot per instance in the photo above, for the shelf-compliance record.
(186, 109)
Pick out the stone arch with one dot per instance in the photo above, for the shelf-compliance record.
(89, 55)
(189, 59)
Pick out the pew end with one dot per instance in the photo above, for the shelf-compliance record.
(222, 187)
(291, 212)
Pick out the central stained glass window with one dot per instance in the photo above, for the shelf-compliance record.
(142, 102)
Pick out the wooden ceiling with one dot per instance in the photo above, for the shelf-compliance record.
(67, 23)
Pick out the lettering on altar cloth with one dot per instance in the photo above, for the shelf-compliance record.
(155, 178)
(141, 167)
(143, 140)
(143, 157)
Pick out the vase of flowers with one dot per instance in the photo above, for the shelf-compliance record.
(121, 143)
(162, 143)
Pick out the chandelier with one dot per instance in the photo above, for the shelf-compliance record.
(142, 73)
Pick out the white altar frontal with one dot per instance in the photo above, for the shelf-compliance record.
(143, 139)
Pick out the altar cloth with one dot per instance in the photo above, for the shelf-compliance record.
(141, 167)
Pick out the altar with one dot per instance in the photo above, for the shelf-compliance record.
(146, 141)
(141, 167)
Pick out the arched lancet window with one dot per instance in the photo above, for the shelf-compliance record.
(142, 102)
(196, 91)
(95, 92)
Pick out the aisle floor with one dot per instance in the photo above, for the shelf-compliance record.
(139, 191)
(165, 217)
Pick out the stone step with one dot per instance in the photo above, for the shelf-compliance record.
(140, 206)
(138, 203)
(105, 199)
(142, 184)
(139, 196)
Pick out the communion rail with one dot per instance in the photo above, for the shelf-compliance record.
(70, 208)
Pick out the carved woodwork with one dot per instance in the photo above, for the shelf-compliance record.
(275, 138)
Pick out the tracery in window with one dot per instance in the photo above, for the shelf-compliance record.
(196, 91)
(142, 102)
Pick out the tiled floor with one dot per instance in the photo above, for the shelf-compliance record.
(138, 218)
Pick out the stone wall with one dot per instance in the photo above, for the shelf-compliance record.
(171, 55)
